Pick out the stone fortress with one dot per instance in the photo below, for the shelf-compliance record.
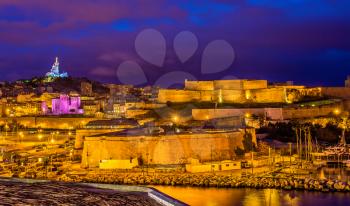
(161, 149)
(237, 91)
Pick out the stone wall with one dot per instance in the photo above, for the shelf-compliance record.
(271, 95)
(310, 112)
(199, 85)
(178, 96)
(270, 113)
(337, 92)
(55, 122)
(241, 91)
(80, 134)
(169, 149)
(205, 114)
(254, 84)
(235, 84)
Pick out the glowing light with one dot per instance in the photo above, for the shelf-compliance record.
(248, 94)
(40, 159)
(40, 136)
(175, 118)
(247, 115)
(336, 111)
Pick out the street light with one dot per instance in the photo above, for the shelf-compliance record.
(175, 118)
(336, 111)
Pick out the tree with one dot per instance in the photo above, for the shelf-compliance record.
(248, 143)
(239, 152)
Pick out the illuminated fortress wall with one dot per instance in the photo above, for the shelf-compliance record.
(235, 84)
(199, 85)
(230, 96)
(169, 149)
(271, 95)
(172, 95)
(48, 122)
(272, 113)
(224, 91)
(336, 92)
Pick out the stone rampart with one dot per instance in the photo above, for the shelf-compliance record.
(55, 122)
(199, 85)
(336, 92)
(254, 84)
(164, 149)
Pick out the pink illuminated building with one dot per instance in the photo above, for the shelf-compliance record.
(66, 105)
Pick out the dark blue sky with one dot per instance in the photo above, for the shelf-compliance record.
(304, 41)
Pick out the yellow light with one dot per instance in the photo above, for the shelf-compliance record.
(336, 111)
(69, 133)
(52, 141)
(175, 118)
(207, 117)
(40, 159)
(40, 136)
(247, 115)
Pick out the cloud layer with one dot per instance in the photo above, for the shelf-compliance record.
(305, 41)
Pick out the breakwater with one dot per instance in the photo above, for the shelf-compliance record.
(213, 180)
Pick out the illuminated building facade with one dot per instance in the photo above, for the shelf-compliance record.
(66, 105)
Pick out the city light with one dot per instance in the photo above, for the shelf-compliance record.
(336, 111)
(175, 118)
(175, 103)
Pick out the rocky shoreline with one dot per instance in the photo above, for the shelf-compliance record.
(213, 180)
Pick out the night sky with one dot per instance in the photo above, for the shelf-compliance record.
(279, 40)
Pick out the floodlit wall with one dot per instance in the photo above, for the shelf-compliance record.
(49, 122)
(169, 149)
(199, 85)
(255, 84)
(337, 92)
(80, 134)
(235, 84)
(225, 91)
(310, 112)
(205, 114)
(271, 95)
(271, 113)
(230, 96)
(172, 95)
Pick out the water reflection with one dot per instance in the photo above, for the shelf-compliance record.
(253, 197)
(338, 173)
